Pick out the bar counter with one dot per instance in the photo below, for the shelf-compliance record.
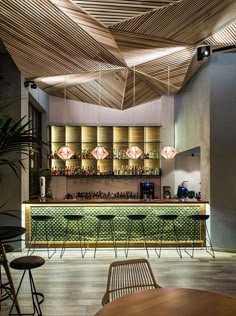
(120, 208)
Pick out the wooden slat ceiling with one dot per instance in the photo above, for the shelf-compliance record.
(117, 54)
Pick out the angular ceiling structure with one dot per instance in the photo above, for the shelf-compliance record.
(117, 54)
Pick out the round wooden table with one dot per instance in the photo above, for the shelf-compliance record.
(171, 302)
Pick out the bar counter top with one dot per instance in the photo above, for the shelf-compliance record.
(117, 201)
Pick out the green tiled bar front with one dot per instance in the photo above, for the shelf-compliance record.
(183, 224)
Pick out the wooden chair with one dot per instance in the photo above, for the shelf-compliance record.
(128, 276)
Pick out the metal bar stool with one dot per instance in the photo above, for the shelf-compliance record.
(105, 226)
(27, 263)
(168, 221)
(196, 219)
(74, 227)
(43, 222)
(138, 221)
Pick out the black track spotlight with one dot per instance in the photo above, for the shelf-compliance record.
(30, 83)
(203, 52)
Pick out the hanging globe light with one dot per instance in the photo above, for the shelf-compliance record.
(99, 152)
(65, 153)
(134, 152)
(169, 152)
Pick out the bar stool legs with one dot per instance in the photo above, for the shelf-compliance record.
(71, 220)
(196, 219)
(11, 292)
(107, 220)
(27, 263)
(164, 219)
(138, 220)
(45, 221)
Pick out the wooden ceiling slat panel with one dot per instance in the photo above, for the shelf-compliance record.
(189, 21)
(90, 25)
(224, 37)
(137, 91)
(67, 47)
(50, 32)
(111, 12)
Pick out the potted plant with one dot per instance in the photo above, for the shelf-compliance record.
(17, 140)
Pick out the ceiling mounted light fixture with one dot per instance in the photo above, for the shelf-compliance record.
(134, 152)
(65, 153)
(168, 152)
(99, 152)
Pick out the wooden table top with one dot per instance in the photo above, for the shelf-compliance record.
(7, 232)
(171, 302)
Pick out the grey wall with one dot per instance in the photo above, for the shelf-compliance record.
(205, 114)
(192, 118)
(223, 150)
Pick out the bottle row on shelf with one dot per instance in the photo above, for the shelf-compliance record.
(91, 171)
(117, 154)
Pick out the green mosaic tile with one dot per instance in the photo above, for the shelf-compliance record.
(183, 223)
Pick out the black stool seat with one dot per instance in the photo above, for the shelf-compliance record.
(136, 217)
(42, 218)
(167, 225)
(43, 223)
(105, 217)
(135, 220)
(70, 229)
(199, 217)
(73, 217)
(27, 263)
(195, 219)
(168, 217)
(105, 224)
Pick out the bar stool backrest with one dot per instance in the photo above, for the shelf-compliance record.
(128, 276)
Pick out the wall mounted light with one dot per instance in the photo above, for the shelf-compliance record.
(203, 52)
(30, 83)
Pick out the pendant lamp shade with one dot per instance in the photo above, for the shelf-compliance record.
(134, 152)
(65, 153)
(99, 152)
(168, 152)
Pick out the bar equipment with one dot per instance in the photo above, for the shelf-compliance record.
(166, 192)
(147, 190)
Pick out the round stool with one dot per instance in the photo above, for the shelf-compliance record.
(27, 263)
(196, 219)
(71, 230)
(167, 225)
(138, 221)
(43, 223)
(105, 226)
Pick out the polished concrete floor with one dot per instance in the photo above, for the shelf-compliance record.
(75, 286)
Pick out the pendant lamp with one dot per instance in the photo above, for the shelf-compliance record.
(99, 152)
(134, 152)
(65, 153)
(169, 152)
